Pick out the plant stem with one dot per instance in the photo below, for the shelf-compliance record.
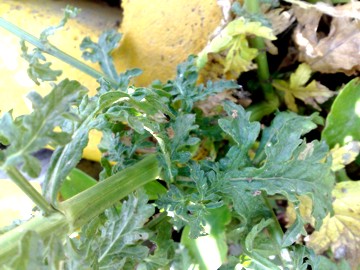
(52, 50)
(54, 225)
(274, 228)
(90, 203)
(260, 110)
(81, 208)
(29, 190)
(276, 231)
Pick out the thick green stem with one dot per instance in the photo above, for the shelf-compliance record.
(80, 209)
(271, 99)
(52, 50)
(93, 201)
(29, 190)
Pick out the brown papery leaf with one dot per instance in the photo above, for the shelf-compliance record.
(337, 51)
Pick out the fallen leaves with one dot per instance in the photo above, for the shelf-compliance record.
(332, 52)
(312, 93)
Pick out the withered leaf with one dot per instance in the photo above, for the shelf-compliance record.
(312, 93)
(341, 232)
(336, 51)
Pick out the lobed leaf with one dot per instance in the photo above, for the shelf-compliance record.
(28, 134)
(115, 241)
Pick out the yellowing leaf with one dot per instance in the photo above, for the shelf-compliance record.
(305, 211)
(232, 46)
(312, 93)
(341, 232)
(240, 56)
(344, 155)
(241, 26)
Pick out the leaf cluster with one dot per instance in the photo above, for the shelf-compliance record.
(258, 164)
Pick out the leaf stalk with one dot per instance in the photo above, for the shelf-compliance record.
(52, 50)
(272, 100)
(28, 189)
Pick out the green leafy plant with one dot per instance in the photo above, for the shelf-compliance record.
(151, 136)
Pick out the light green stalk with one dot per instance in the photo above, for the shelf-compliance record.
(52, 50)
(80, 209)
(271, 102)
(28, 189)
(90, 203)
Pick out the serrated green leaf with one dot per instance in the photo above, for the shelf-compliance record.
(239, 127)
(291, 168)
(115, 243)
(65, 158)
(292, 177)
(287, 122)
(38, 69)
(343, 121)
(185, 89)
(100, 52)
(33, 132)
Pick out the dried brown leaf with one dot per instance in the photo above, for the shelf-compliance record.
(337, 51)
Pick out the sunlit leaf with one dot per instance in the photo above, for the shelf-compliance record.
(232, 42)
(343, 121)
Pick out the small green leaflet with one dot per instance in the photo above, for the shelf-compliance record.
(100, 52)
(185, 89)
(69, 13)
(38, 68)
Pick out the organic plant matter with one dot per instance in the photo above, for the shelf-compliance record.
(216, 180)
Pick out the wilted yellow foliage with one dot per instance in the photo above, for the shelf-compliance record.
(344, 155)
(341, 232)
(297, 87)
(234, 53)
